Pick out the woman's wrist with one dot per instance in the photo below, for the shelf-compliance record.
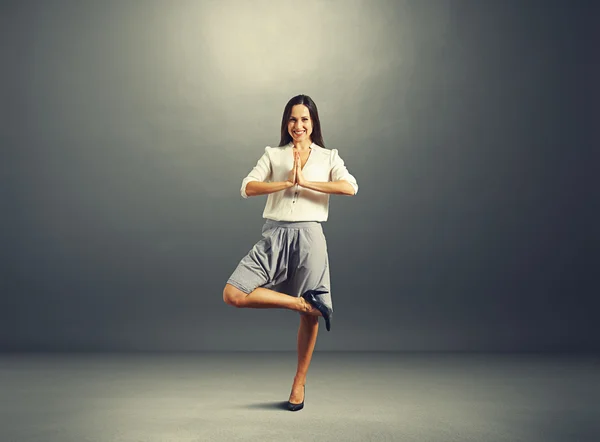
(341, 187)
(255, 188)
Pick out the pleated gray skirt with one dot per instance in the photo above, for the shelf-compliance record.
(291, 258)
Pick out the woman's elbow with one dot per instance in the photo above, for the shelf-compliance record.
(249, 190)
(350, 190)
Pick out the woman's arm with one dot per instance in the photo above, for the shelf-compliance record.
(339, 172)
(254, 188)
(341, 187)
(261, 172)
(260, 187)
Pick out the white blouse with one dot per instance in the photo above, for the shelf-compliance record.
(298, 203)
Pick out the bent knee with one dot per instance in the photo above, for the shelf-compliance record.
(233, 296)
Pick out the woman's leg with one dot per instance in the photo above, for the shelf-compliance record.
(307, 338)
(266, 298)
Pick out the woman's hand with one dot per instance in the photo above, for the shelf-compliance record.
(299, 177)
(292, 177)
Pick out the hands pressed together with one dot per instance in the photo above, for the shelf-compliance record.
(295, 176)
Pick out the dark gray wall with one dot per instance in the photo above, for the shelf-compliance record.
(128, 127)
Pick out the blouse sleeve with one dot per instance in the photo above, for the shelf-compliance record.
(260, 172)
(340, 172)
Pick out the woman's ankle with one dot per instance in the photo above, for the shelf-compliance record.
(300, 379)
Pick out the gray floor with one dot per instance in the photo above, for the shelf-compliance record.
(349, 397)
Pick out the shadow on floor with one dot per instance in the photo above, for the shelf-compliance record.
(281, 405)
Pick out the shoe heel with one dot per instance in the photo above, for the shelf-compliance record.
(309, 296)
(300, 406)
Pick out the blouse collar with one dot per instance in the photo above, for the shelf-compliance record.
(312, 145)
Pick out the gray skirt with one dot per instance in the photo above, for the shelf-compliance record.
(291, 258)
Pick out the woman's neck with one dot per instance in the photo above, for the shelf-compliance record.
(303, 145)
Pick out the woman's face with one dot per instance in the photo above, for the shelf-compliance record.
(300, 123)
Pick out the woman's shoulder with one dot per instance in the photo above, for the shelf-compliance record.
(321, 149)
(276, 154)
(276, 151)
(324, 152)
(277, 148)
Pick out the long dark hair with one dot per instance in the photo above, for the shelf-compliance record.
(316, 136)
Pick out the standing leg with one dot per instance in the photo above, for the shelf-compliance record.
(311, 272)
(307, 338)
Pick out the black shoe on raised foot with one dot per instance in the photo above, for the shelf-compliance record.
(310, 297)
(297, 407)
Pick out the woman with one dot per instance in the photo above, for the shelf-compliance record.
(289, 267)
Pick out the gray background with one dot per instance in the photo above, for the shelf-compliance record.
(127, 128)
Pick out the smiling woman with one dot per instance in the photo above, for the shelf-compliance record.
(289, 267)
(299, 124)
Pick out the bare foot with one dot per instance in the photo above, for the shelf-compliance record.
(297, 394)
(308, 309)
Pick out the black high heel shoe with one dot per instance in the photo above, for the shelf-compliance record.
(296, 407)
(310, 297)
